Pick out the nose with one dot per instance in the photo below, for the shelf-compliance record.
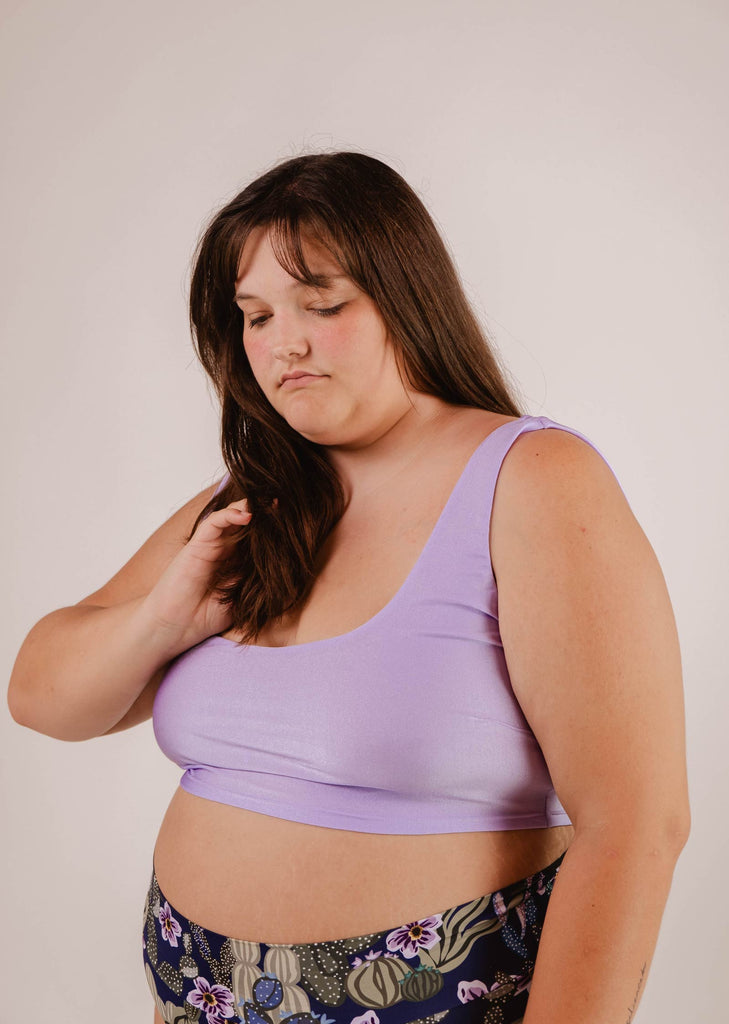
(290, 339)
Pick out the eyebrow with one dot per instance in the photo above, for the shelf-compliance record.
(325, 279)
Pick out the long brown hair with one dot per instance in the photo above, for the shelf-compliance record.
(380, 233)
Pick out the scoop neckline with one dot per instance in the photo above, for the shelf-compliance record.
(404, 586)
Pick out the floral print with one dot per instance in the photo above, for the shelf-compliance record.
(468, 990)
(216, 1000)
(412, 937)
(372, 955)
(472, 964)
(169, 927)
(366, 1018)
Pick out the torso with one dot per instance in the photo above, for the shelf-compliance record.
(254, 876)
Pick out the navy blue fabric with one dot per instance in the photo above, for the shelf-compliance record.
(471, 964)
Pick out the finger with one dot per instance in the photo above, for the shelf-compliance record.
(222, 521)
(241, 503)
(235, 506)
(231, 514)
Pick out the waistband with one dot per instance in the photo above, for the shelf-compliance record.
(454, 963)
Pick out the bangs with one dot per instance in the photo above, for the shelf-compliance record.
(289, 233)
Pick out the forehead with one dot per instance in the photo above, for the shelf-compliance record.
(258, 262)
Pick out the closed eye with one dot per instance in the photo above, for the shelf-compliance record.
(331, 311)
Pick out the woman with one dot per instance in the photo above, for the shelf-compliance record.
(415, 709)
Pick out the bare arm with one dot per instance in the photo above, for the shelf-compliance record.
(94, 667)
(591, 644)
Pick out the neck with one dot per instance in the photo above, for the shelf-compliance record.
(370, 468)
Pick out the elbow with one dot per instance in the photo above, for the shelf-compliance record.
(22, 698)
(25, 712)
(22, 707)
(678, 830)
(664, 835)
(17, 706)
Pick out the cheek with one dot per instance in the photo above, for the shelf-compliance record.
(257, 364)
(248, 346)
(254, 354)
(361, 346)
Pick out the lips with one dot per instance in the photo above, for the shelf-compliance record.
(292, 378)
(296, 373)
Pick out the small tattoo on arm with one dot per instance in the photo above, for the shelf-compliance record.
(631, 1009)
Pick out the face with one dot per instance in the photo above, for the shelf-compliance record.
(347, 390)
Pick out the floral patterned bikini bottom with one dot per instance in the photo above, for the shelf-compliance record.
(471, 964)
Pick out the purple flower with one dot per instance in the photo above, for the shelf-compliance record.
(521, 914)
(500, 907)
(468, 990)
(170, 927)
(372, 955)
(366, 1018)
(216, 1000)
(418, 935)
(522, 982)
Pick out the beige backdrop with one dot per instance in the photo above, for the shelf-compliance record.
(575, 157)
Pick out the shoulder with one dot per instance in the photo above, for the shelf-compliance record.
(558, 497)
(589, 635)
(558, 446)
(552, 464)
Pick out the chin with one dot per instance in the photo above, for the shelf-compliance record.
(309, 428)
(318, 422)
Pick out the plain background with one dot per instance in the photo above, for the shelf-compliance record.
(574, 156)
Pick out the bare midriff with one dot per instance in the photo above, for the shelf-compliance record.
(253, 876)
